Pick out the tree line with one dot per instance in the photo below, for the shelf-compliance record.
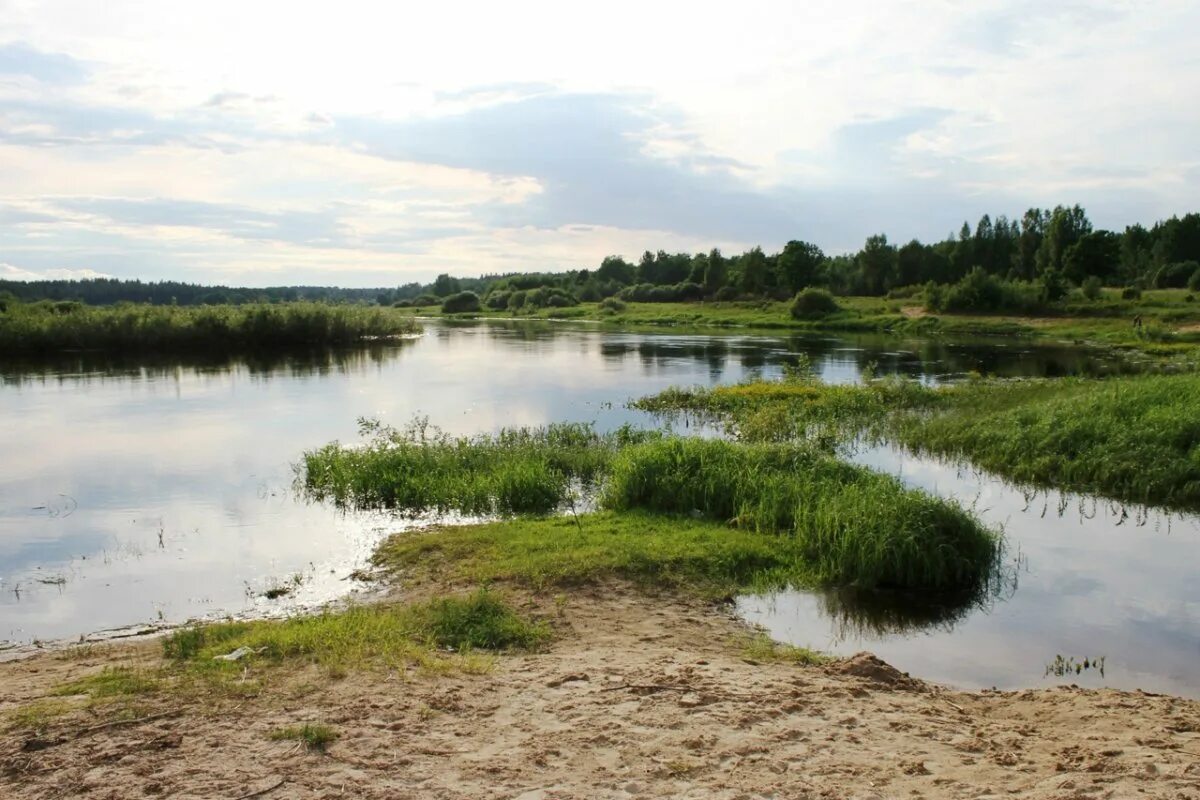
(1047, 247)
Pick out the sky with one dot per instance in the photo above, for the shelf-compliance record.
(359, 143)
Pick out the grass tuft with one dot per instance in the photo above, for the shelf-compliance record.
(314, 735)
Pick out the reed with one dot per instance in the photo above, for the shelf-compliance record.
(48, 327)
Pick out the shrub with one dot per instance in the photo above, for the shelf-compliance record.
(1176, 275)
(613, 304)
(461, 303)
(1092, 288)
(1131, 293)
(516, 300)
(1193, 283)
(426, 300)
(981, 291)
(725, 293)
(814, 302)
(497, 301)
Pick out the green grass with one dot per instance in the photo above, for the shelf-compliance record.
(48, 327)
(654, 551)
(851, 525)
(1107, 321)
(523, 470)
(314, 735)
(1132, 438)
(112, 682)
(365, 635)
(765, 650)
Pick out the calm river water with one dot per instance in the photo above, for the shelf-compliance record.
(149, 493)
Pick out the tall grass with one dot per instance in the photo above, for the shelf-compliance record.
(853, 526)
(48, 327)
(419, 468)
(1132, 438)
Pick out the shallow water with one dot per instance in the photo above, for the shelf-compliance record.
(145, 492)
(1084, 579)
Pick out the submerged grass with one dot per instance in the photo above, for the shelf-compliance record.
(523, 470)
(48, 327)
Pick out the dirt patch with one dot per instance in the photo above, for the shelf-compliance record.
(639, 697)
(914, 312)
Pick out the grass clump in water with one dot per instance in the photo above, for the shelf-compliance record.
(852, 526)
(313, 735)
(419, 468)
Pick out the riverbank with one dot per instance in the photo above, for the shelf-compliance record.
(637, 696)
(1169, 322)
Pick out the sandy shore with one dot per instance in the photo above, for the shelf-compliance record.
(638, 697)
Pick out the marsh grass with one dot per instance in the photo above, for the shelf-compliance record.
(851, 525)
(419, 468)
(1132, 438)
(656, 552)
(313, 735)
(48, 327)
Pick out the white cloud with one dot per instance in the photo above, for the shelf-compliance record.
(810, 111)
(10, 273)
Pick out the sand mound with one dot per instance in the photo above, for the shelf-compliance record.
(871, 668)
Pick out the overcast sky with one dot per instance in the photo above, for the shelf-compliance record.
(369, 144)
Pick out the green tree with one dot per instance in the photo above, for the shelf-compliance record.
(716, 273)
(877, 265)
(798, 266)
(1065, 227)
(444, 285)
(753, 266)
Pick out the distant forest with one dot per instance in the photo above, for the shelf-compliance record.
(1044, 247)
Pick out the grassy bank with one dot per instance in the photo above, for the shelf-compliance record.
(48, 327)
(1170, 320)
(1132, 438)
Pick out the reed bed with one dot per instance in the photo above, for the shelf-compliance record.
(48, 327)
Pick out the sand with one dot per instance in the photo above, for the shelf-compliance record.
(638, 697)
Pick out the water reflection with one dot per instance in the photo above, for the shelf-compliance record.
(1085, 578)
(85, 365)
